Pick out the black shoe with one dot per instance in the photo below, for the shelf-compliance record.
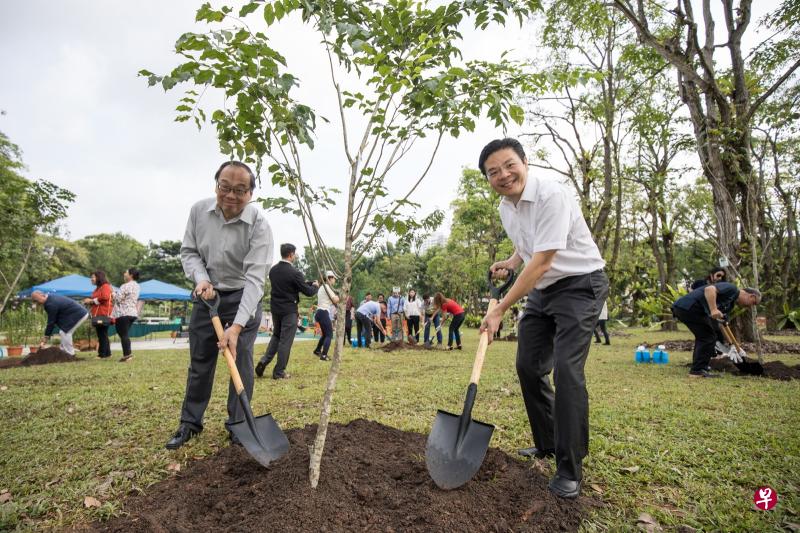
(458, 347)
(281, 376)
(702, 374)
(536, 452)
(564, 488)
(181, 437)
(324, 358)
(607, 343)
(260, 367)
(316, 353)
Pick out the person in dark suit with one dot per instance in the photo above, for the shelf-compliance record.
(63, 312)
(287, 284)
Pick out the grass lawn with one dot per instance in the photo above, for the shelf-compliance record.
(688, 452)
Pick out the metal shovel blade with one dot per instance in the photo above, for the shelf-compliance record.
(456, 446)
(261, 436)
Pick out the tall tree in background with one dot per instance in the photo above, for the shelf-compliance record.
(162, 261)
(113, 253)
(29, 208)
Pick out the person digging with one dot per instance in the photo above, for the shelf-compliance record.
(699, 310)
(564, 280)
(226, 251)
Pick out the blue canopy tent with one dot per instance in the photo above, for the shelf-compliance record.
(158, 290)
(72, 286)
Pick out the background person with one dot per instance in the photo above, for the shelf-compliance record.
(431, 318)
(226, 250)
(379, 328)
(395, 308)
(448, 305)
(413, 312)
(349, 316)
(101, 309)
(327, 299)
(601, 325)
(126, 310)
(367, 317)
(286, 284)
(63, 312)
(715, 275)
(700, 309)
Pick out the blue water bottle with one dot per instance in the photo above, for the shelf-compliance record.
(657, 356)
(639, 357)
(664, 355)
(355, 343)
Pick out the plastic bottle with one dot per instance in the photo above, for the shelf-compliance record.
(664, 355)
(640, 354)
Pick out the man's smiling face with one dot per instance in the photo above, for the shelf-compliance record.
(507, 173)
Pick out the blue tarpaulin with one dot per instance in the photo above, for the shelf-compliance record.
(158, 290)
(72, 285)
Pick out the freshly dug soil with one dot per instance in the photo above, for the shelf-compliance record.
(373, 479)
(510, 338)
(772, 369)
(393, 346)
(45, 356)
(772, 347)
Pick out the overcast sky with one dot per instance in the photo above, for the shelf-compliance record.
(84, 120)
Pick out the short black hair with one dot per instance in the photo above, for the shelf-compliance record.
(134, 273)
(497, 145)
(287, 249)
(715, 270)
(237, 164)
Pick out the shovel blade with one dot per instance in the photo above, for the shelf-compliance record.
(452, 461)
(264, 440)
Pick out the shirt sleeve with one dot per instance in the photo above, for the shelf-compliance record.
(193, 265)
(304, 286)
(552, 223)
(52, 312)
(256, 264)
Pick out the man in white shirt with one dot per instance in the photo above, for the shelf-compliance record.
(566, 287)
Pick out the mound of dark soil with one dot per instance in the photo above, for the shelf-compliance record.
(373, 479)
(393, 346)
(772, 347)
(46, 356)
(772, 369)
(510, 338)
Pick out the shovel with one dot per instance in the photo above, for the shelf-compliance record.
(752, 368)
(260, 435)
(457, 444)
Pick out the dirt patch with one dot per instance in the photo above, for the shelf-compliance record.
(771, 347)
(393, 346)
(772, 369)
(42, 357)
(373, 479)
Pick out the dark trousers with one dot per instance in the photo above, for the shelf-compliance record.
(377, 333)
(364, 327)
(601, 325)
(705, 337)
(283, 329)
(348, 327)
(413, 327)
(453, 329)
(326, 326)
(103, 345)
(554, 336)
(203, 353)
(123, 324)
(436, 321)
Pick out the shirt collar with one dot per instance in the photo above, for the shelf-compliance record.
(528, 193)
(248, 214)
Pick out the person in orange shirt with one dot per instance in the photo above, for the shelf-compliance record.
(101, 306)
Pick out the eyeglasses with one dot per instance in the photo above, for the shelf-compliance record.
(224, 189)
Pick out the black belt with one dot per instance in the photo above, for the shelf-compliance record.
(223, 292)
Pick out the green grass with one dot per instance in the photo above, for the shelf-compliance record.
(97, 428)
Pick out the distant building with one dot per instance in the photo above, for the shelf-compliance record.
(437, 239)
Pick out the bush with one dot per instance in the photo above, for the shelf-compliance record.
(473, 321)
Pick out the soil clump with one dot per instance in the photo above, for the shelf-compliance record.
(373, 479)
(772, 369)
(45, 356)
(393, 346)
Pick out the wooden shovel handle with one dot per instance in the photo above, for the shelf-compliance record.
(235, 377)
(483, 344)
(726, 330)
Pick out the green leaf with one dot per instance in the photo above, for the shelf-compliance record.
(269, 14)
(517, 114)
(248, 8)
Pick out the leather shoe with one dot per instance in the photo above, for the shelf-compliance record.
(282, 376)
(260, 367)
(564, 488)
(181, 437)
(324, 358)
(536, 452)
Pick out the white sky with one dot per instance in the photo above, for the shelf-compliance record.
(85, 121)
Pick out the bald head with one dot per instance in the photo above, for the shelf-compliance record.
(39, 297)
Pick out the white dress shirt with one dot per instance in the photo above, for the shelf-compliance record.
(548, 217)
(231, 254)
